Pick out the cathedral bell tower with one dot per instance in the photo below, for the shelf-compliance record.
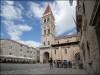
(48, 27)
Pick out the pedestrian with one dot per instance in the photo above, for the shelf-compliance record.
(54, 62)
(65, 63)
(68, 64)
(57, 64)
(62, 63)
(51, 63)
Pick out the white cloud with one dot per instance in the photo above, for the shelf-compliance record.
(10, 2)
(1, 34)
(31, 43)
(11, 12)
(24, 27)
(15, 31)
(35, 9)
(62, 11)
(19, 6)
(63, 19)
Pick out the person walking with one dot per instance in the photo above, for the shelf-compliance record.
(65, 63)
(51, 63)
(68, 64)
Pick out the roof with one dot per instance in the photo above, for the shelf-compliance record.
(47, 10)
(17, 42)
(67, 36)
(65, 44)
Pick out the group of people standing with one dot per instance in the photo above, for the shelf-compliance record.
(60, 64)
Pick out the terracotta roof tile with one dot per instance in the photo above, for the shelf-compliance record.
(48, 9)
(67, 36)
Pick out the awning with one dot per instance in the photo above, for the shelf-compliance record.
(15, 57)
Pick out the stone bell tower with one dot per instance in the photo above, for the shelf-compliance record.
(48, 27)
(48, 35)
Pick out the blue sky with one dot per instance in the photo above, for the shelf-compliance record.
(21, 20)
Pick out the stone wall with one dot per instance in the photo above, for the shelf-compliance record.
(11, 47)
(88, 39)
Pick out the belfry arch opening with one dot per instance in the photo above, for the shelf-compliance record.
(46, 57)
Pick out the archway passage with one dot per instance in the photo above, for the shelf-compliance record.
(46, 57)
(77, 57)
(78, 61)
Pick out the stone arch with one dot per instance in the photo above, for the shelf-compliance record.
(77, 56)
(77, 59)
(46, 57)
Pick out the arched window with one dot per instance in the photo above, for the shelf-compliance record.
(66, 51)
(44, 20)
(44, 43)
(48, 31)
(55, 51)
(48, 43)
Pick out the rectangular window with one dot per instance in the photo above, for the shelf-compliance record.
(48, 31)
(10, 53)
(24, 55)
(44, 31)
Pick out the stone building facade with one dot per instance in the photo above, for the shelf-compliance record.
(57, 48)
(17, 52)
(88, 27)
